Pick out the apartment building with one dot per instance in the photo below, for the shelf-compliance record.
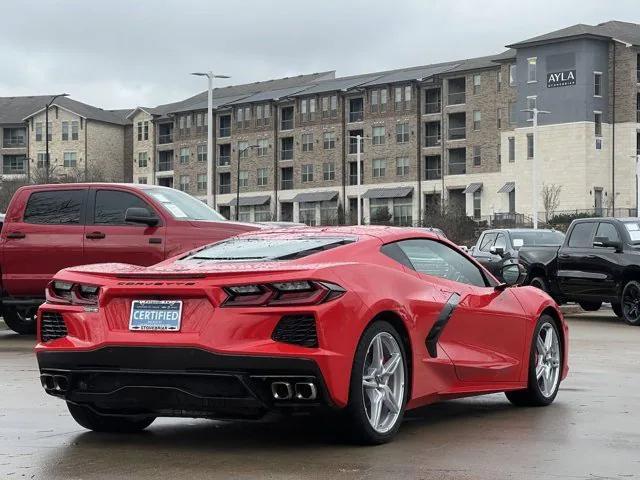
(85, 142)
(452, 135)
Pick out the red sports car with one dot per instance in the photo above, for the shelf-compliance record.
(367, 322)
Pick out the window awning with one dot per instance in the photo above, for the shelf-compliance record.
(315, 196)
(508, 187)
(395, 192)
(249, 201)
(473, 188)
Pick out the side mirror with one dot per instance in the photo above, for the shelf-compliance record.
(497, 250)
(140, 215)
(604, 242)
(512, 274)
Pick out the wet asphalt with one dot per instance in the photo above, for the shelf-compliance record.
(592, 431)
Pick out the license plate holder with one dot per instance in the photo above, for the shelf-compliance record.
(155, 315)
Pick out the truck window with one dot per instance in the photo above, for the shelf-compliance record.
(581, 235)
(111, 206)
(487, 241)
(608, 231)
(55, 207)
(501, 241)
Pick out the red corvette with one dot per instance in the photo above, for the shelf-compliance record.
(366, 321)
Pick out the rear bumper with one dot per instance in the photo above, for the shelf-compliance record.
(181, 382)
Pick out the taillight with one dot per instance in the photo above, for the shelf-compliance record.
(72, 293)
(299, 292)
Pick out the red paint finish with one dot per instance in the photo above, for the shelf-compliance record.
(484, 348)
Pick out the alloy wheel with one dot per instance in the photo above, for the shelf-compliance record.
(383, 382)
(631, 302)
(547, 360)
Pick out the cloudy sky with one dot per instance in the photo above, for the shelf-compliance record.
(123, 53)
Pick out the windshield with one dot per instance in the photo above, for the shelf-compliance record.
(264, 249)
(183, 206)
(633, 229)
(537, 239)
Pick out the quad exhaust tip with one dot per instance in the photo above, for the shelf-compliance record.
(300, 391)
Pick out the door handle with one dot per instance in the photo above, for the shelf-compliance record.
(155, 240)
(95, 235)
(15, 235)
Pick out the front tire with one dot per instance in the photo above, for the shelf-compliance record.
(590, 306)
(540, 283)
(545, 367)
(91, 420)
(378, 389)
(20, 320)
(631, 303)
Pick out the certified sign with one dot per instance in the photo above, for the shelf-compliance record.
(561, 79)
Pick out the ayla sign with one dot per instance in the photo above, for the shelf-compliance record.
(561, 79)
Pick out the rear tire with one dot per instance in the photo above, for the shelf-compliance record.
(540, 283)
(545, 360)
(20, 320)
(630, 302)
(107, 423)
(370, 386)
(590, 306)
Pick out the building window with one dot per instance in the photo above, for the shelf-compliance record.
(477, 83)
(477, 155)
(402, 98)
(286, 178)
(38, 132)
(201, 182)
(597, 119)
(142, 159)
(530, 147)
(243, 149)
(329, 171)
(224, 182)
(286, 148)
(356, 110)
(263, 177)
(307, 173)
(532, 103)
(199, 121)
(499, 81)
(308, 109)
(379, 167)
(244, 213)
(532, 75)
(41, 159)
(597, 84)
(307, 142)
(14, 164)
(512, 75)
(330, 106)
(407, 97)
(244, 178)
(402, 211)
(378, 101)
(145, 133)
(225, 126)
(378, 134)
(262, 213)
(258, 115)
(477, 204)
(329, 140)
(75, 127)
(512, 149)
(402, 132)
(202, 153)
(499, 118)
(308, 213)
(140, 129)
(325, 107)
(397, 97)
(65, 131)
(353, 141)
(50, 131)
(142, 180)
(184, 183)
(402, 166)
(334, 106)
(184, 155)
(70, 159)
(263, 147)
(477, 116)
(239, 117)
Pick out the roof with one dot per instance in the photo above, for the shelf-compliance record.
(30, 106)
(473, 187)
(315, 196)
(507, 187)
(248, 201)
(624, 31)
(393, 192)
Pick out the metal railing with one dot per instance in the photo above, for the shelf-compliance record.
(286, 124)
(457, 98)
(226, 188)
(433, 107)
(286, 184)
(457, 133)
(457, 168)
(356, 116)
(14, 143)
(165, 165)
(286, 154)
(224, 132)
(432, 140)
(432, 174)
(224, 160)
(165, 138)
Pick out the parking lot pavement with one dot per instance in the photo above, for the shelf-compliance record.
(591, 431)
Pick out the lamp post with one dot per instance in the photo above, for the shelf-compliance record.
(534, 165)
(46, 133)
(637, 157)
(359, 138)
(211, 201)
(240, 152)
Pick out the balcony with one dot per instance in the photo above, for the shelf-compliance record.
(224, 160)
(457, 168)
(432, 141)
(165, 165)
(224, 188)
(457, 133)
(457, 91)
(286, 184)
(432, 107)
(14, 143)
(356, 110)
(432, 101)
(457, 98)
(286, 120)
(357, 116)
(166, 138)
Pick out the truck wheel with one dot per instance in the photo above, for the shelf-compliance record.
(20, 320)
(107, 423)
(539, 282)
(590, 306)
(631, 303)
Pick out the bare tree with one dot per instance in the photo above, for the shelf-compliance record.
(550, 199)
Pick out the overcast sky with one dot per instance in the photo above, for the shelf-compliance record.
(123, 53)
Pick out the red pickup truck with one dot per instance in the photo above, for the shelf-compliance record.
(50, 227)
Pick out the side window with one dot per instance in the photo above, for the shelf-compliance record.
(581, 235)
(608, 231)
(111, 206)
(56, 207)
(487, 241)
(435, 258)
(501, 241)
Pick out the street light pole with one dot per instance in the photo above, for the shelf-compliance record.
(358, 182)
(46, 134)
(211, 201)
(240, 152)
(534, 165)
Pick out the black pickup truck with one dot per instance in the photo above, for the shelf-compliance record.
(598, 262)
